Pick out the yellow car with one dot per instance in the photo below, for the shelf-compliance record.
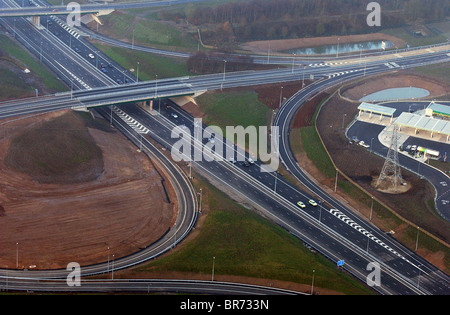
(301, 204)
(312, 203)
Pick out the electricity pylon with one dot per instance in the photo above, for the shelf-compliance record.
(391, 171)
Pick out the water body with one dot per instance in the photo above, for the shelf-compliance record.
(342, 48)
(396, 94)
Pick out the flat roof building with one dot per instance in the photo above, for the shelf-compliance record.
(436, 109)
(376, 109)
(424, 123)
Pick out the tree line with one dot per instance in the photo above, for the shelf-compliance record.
(217, 62)
(235, 22)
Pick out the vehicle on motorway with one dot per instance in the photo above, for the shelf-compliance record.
(174, 115)
(91, 56)
(232, 160)
(312, 203)
(251, 161)
(301, 205)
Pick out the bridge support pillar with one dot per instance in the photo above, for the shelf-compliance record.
(36, 21)
(147, 105)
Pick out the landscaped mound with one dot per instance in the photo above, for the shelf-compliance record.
(58, 151)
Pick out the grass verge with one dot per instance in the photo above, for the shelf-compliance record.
(11, 48)
(150, 65)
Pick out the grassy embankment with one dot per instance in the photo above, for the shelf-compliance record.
(14, 86)
(234, 108)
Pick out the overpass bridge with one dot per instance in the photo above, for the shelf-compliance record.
(49, 10)
(37, 10)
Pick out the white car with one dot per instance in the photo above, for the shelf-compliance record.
(312, 203)
(174, 115)
(91, 56)
(363, 144)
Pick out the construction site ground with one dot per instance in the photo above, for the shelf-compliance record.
(47, 225)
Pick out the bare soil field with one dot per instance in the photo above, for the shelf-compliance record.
(49, 224)
(278, 46)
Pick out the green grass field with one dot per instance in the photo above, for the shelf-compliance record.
(415, 41)
(150, 65)
(148, 31)
(9, 47)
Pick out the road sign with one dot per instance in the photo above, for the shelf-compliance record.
(340, 263)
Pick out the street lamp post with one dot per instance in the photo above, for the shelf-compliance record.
(137, 72)
(336, 181)
(17, 255)
(201, 196)
(281, 96)
(212, 275)
(224, 69)
(417, 239)
(156, 86)
(275, 186)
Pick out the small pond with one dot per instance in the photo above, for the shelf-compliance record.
(342, 48)
(397, 94)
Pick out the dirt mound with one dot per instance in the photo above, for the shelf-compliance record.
(51, 224)
(59, 151)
